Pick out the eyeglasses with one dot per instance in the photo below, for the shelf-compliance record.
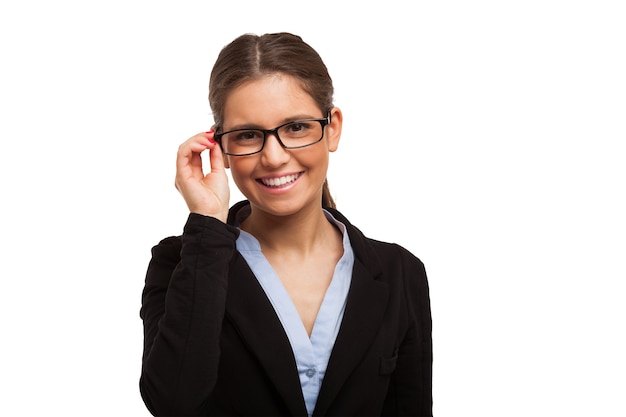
(292, 135)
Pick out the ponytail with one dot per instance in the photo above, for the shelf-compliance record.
(327, 199)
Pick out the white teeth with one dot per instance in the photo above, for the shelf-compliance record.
(277, 182)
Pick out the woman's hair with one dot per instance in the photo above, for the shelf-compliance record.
(250, 57)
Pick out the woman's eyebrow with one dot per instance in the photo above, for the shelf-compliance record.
(285, 120)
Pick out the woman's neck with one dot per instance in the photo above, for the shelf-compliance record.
(301, 233)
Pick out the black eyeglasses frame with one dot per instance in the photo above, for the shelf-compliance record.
(323, 121)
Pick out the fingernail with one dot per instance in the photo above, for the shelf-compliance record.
(209, 132)
(211, 140)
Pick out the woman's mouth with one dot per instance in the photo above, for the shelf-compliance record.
(277, 182)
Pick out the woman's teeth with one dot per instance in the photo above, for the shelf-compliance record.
(280, 181)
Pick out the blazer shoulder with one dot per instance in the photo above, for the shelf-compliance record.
(167, 250)
(391, 255)
(377, 253)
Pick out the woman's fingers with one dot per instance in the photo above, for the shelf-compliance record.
(216, 158)
(204, 194)
(188, 160)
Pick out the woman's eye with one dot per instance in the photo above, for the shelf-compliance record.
(298, 127)
(248, 135)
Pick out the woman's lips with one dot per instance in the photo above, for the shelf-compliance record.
(277, 182)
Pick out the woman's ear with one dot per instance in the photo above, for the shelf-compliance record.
(333, 129)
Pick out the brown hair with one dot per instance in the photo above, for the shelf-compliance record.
(250, 57)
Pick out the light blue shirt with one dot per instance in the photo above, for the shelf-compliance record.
(312, 353)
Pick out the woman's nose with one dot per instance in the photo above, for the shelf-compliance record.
(273, 153)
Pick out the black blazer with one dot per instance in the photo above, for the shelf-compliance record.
(213, 344)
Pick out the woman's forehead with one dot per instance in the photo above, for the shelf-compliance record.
(269, 99)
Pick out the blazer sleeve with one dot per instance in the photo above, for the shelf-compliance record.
(183, 304)
(410, 390)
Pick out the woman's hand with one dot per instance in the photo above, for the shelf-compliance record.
(208, 194)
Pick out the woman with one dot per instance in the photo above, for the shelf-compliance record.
(278, 305)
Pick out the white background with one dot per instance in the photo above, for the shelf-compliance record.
(485, 136)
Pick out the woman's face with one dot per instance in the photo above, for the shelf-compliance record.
(267, 103)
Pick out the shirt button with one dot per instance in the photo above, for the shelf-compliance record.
(310, 372)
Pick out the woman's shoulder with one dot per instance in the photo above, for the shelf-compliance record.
(394, 253)
(167, 246)
(372, 248)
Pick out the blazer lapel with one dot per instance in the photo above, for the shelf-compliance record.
(365, 308)
(252, 314)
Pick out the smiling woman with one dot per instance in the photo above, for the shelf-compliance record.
(278, 305)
